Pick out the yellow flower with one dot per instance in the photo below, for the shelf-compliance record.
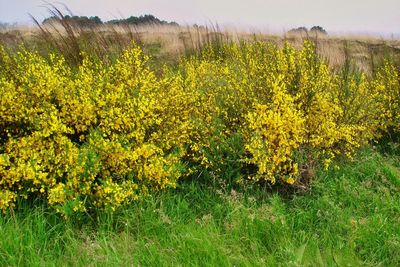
(290, 180)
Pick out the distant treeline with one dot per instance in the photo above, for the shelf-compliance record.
(314, 29)
(96, 21)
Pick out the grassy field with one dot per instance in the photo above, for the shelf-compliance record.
(349, 217)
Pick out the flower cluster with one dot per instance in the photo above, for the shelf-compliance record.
(97, 136)
(104, 134)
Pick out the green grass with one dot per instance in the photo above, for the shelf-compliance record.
(350, 217)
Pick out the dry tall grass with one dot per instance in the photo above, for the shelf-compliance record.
(364, 52)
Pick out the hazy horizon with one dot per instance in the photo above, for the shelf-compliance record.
(340, 16)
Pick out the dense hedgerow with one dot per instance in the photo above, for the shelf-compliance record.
(95, 137)
(105, 134)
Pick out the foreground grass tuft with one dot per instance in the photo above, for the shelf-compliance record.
(350, 217)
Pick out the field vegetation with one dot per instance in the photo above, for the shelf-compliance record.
(234, 149)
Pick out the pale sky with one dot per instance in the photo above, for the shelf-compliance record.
(346, 16)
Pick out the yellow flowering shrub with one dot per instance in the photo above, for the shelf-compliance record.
(276, 130)
(103, 134)
(282, 103)
(97, 136)
(387, 89)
